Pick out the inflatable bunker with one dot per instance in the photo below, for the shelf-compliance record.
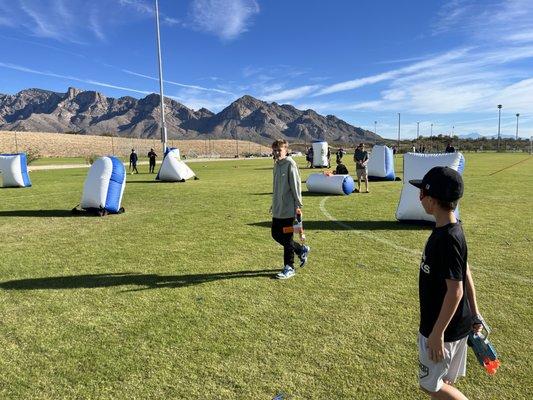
(381, 164)
(330, 184)
(104, 186)
(415, 166)
(14, 170)
(320, 154)
(173, 169)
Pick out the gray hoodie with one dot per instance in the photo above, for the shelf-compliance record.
(287, 189)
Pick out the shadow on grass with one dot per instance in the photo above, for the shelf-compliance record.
(154, 181)
(145, 281)
(354, 225)
(41, 213)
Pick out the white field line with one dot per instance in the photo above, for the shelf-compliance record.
(409, 251)
(365, 233)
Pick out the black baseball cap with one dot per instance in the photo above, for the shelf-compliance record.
(443, 183)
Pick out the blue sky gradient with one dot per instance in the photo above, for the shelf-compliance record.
(443, 63)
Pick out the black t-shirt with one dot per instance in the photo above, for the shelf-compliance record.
(341, 170)
(445, 257)
(152, 156)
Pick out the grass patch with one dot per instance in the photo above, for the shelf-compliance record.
(174, 298)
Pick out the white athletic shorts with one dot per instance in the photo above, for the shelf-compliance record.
(432, 375)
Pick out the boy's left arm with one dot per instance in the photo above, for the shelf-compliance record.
(471, 294)
(453, 296)
(296, 186)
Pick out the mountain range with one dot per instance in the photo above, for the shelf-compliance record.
(475, 135)
(247, 118)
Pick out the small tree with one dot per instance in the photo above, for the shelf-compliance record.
(32, 154)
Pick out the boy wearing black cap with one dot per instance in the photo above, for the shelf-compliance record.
(448, 307)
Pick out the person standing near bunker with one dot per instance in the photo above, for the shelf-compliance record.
(151, 158)
(286, 202)
(361, 161)
(133, 161)
(448, 305)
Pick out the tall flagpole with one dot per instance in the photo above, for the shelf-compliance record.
(163, 124)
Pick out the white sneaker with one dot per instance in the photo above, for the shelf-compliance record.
(304, 255)
(286, 273)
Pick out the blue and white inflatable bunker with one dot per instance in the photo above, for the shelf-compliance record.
(381, 164)
(14, 170)
(173, 169)
(331, 184)
(415, 166)
(104, 185)
(320, 154)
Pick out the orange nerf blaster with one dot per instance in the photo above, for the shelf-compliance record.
(297, 226)
(484, 350)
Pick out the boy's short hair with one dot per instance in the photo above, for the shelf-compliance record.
(280, 143)
(444, 204)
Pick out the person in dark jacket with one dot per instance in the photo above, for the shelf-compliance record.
(341, 169)
(151, 157)
(133, 162)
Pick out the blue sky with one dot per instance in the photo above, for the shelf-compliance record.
(443, 63)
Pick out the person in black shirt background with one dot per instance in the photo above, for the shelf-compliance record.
(151, 157)
(449, 148)
(341, 169)
(448, 307)
(133, 161)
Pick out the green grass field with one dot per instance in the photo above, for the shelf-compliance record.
(175, 298)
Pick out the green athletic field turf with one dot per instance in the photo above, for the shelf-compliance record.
(175, 298)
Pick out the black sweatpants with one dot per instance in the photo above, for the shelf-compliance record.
(285, 239)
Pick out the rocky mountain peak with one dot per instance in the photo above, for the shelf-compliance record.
(72, 92)
(93, 113)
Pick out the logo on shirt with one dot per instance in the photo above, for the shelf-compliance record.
(423, 266)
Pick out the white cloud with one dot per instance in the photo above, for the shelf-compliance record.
(71, 78)
(176, 83)
(291, 94)
(226, 19)
(94, 24)
(388, 75)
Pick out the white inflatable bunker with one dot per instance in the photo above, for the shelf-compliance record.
(415, 166)
(173, 169)
(14, 170)
(104, 185)
(320, 154)
(381, 164)
(331, 184)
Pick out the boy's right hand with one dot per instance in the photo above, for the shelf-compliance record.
(477, 323)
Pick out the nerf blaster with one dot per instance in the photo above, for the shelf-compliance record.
(483, 349)
(297, 226)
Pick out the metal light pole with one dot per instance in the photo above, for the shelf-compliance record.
(163, 124)
(398, 131)
(517, 115)
(417, 129)
(453, 131)
(237, 143)
(431, 131)
(376, 127)
(499, 120)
